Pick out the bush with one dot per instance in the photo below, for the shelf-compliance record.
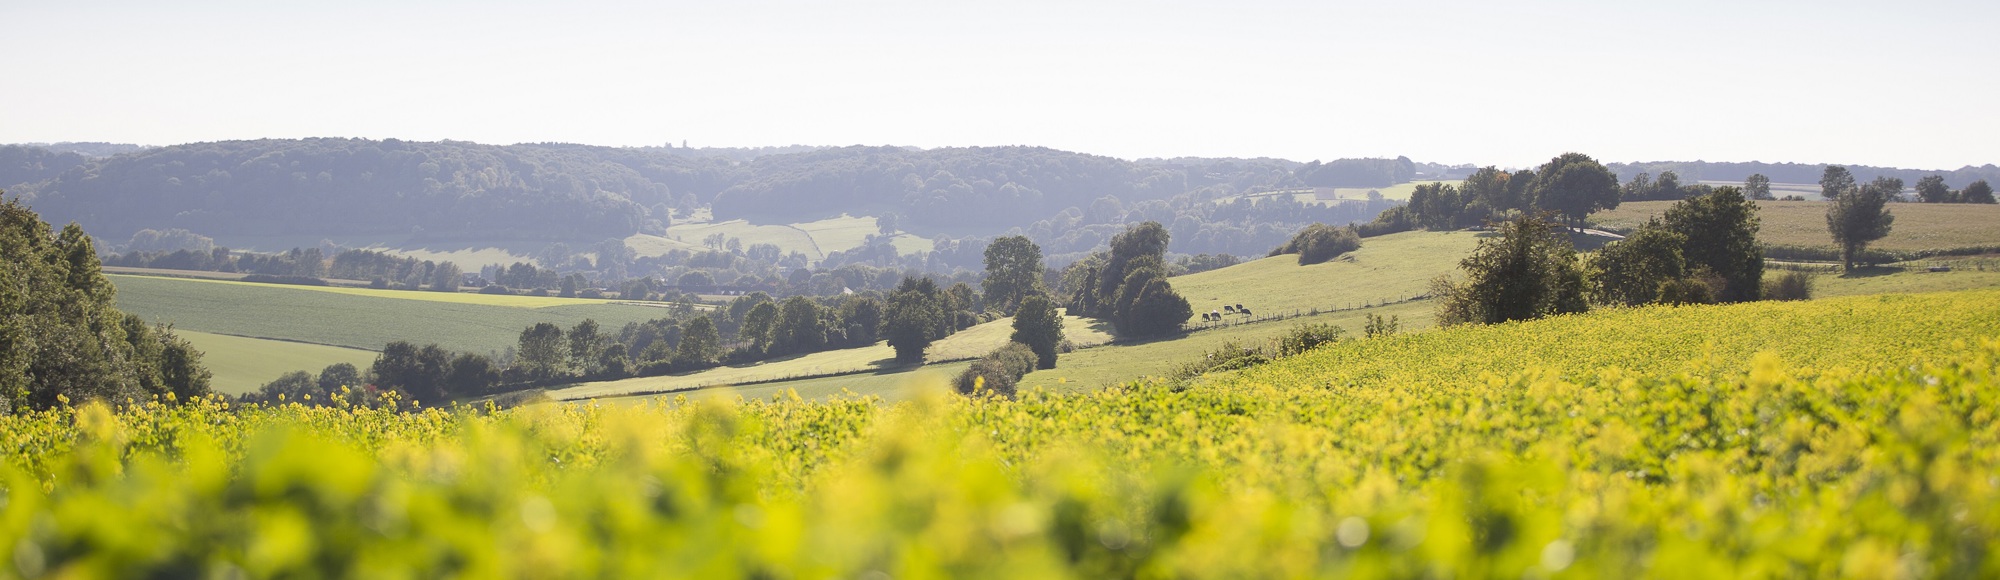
(1791, 285)
(1305, 337)
(495, 289)
(998, 372)
(1320, 242)
(1685, 291)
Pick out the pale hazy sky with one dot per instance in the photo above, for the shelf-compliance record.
(1907, 83)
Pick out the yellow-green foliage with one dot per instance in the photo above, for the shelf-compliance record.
(1862, 447)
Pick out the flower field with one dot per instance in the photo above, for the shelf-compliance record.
(1851, 437)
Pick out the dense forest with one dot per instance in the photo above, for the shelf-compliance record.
(456, 190)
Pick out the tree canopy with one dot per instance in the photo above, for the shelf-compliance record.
(62, 340)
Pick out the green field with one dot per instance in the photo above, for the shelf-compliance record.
(243, 364)
(358, 317)
(969, 343)
(1919, 226)
(1966, 274)
(1386, 269)
(1111, 364)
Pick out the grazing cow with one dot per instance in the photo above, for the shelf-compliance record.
(1243, 311)
(1229, 308)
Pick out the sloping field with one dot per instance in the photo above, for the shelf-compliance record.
(968, 343)
(1853, 333)
(243, 364)
(356, 317)
(1919, 226)
(1385, 269)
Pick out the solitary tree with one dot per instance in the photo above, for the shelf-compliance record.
(1013, 271)
(1834, 181)
(1574, 185)
(1039, 325)
(1757, 186)
(914, 318)
(1858, 215)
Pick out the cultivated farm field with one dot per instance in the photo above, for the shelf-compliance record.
(1919, 226)
(1715, 441)
(358, 317)
(241, 365)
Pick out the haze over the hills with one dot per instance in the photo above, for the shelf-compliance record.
(1502, 83)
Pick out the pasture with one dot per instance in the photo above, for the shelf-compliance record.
(1111, 364)
(242, 364)
(1386, 269)
(359, 317)
(1919, 226)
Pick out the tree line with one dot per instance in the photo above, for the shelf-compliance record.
(63, 340)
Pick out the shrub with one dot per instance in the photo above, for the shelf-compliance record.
(1305, 337)
(495, 289)
(1685, 291)
(1227, 357)
(998, 372)
(1320, 242)
(1791, 285)
(1379, 326)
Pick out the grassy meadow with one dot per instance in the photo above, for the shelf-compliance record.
(358, 317)
(1919, 226)
(1386, 269)
(241, 365)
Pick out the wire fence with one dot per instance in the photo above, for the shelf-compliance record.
(1234, 317)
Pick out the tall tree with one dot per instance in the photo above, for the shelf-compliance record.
(1719, 230)
(757, 325)
(1931, 189)
(1157, 310)
(914, 318)
(584, 342)
(1574, 185)
(1834, 181)
(1757, 187)
(798, 327)
(1013, 271)
(1977, 192)
(541, 351)
(1039, 325)
(1140, 240)
(1857, 216)
(699, 342)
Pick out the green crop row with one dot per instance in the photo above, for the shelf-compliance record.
(1851, 437)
